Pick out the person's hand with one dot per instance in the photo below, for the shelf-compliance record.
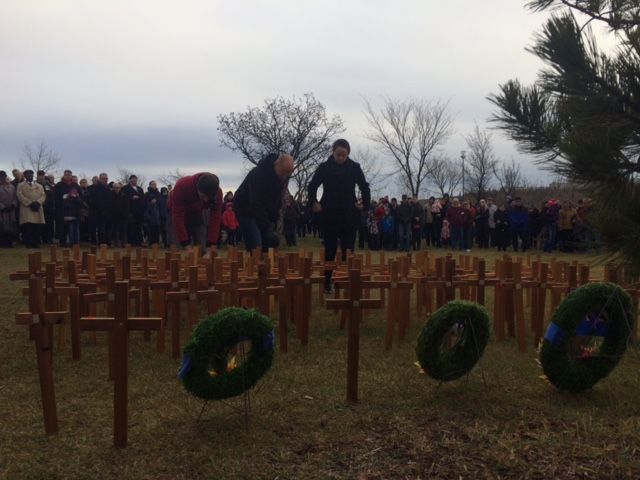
(359, 206)
(65, 196)
(317, 208)
(135, 197)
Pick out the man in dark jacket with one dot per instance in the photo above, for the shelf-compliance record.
(61, 193)
(258, 200)
(339, 176)
(136, 210)
(100, 202)
(403, 220)
(189, 199)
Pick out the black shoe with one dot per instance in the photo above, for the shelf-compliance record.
(328, 288)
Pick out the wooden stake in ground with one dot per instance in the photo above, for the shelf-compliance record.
(354, 306)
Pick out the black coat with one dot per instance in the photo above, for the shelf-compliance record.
(339, 196)
(137, 206)
(121, 206)
(59, 191)
(259, 196)
(100, 201)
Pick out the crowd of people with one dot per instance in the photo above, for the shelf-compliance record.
(37, 210)
(461, 225)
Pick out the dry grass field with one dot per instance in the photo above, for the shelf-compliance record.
(512, 424)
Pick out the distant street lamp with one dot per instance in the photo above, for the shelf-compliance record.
(463, 155)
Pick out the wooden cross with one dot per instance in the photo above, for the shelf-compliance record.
(300, 296)
(40, 324)
(193, 296)
(262, 292)
(354, 306)
(120, 325)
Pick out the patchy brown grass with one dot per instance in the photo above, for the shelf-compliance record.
(406, 425)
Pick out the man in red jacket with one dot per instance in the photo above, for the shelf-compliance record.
(188, 200)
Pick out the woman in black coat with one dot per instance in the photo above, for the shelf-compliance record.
(339, 208)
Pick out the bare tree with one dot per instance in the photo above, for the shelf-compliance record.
(299, 127)
(410, 132)
(446, 175)
(170, 177)
(38, 157)
(124, 174)
(510, 177)
(482, 161)
(372, 169)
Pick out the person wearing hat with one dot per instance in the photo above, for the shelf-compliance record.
(190, 198)
(258, 200)
(31, 197)
(8, 204)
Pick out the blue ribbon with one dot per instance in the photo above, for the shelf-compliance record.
(268, 341)
(555, 334)
(593, 326)
(185, 367)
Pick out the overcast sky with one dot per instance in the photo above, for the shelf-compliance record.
(139, 84)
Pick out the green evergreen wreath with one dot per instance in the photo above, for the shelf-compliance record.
(205, 372)
(469, 322)
(588, 335)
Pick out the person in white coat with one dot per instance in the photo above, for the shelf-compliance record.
(31, 197)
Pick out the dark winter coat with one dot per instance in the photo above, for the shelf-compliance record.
(259, 196)
(404, 213)
(339, 197)
(152, 211)
(136, 206)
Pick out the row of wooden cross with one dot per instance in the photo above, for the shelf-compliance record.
(74, 284)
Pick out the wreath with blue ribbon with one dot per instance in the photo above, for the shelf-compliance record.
(206, 371)
(588, 335)
(466, 324)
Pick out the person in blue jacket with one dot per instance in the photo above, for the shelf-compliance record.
(519, 224)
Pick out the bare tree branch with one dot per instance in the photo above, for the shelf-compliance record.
(510, 177)
(124, 174)
(170, 177)
(482, 161)
(298, 126)
(446, 175)
(410, 132)
(38, 157)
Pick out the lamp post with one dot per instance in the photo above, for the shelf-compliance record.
(463, 155)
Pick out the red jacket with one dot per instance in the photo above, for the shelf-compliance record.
(185, 203)
(229, 220)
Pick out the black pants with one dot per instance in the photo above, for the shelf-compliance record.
(31, 234)
(61, 230)
(290, 237)
(416, 238)
(482, 234)
(501, 238)
(519, 233)
(363, 234)
(436, 229)
(134, 233)
(154, 234)
(337, 230)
